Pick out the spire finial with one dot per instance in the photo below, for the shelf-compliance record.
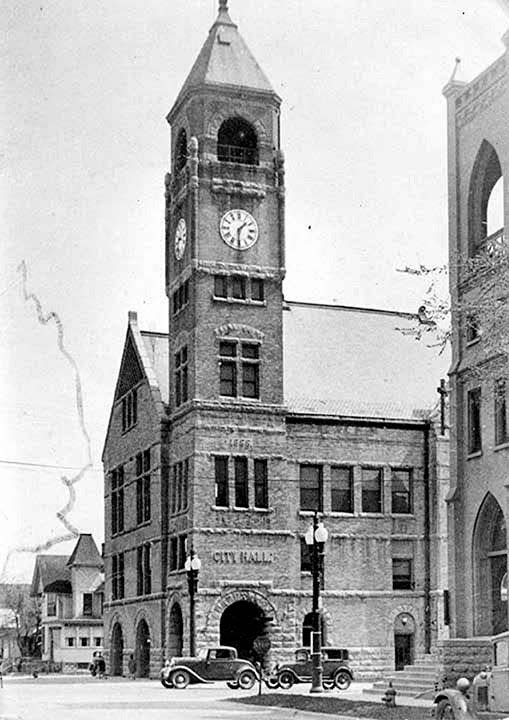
(223, 5)
(457, 62)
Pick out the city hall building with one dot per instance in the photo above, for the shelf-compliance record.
(227, 433)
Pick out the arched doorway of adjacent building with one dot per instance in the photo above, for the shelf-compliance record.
(307, 629)
(490, 568)
(175, 631)
(142, 652)
(117, 650)
(404, 636)
(241, 623)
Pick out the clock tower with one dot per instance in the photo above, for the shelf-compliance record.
(224, 273)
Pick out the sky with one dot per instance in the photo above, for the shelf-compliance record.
(85, 147)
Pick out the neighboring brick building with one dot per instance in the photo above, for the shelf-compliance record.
(71, 593)
(226, 434)
(478, 159)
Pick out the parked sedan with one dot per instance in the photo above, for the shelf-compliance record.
(336, 672)
(218, 663)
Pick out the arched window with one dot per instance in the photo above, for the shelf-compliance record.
(181, 150)
(486, 199)
(237, 142)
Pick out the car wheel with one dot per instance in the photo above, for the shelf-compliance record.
(180, 679)
(247, 679)
(285, 679)
(272, 682)
(232, 684)
(444, 710)
(166, 683)
(328, 684)
(342, 680)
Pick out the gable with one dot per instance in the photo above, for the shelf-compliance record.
(130, 371)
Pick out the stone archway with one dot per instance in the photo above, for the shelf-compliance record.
(175, 631)
(489, 555)
(142, 649)
(241, 623)
(117, 650)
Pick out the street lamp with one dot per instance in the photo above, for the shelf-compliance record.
(192, 567)
(316, 536)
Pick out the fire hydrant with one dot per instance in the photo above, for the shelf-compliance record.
(389, 699)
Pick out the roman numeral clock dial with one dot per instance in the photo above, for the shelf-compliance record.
(238, 229)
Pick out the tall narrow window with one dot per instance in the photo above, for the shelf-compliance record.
(139, 570)
(311, 487)
(474, 420)
(87, 603)
(173, 553)
(371, 490)
(220, 286)
(179, 489)
(257, 293)
(221, 481)
(401, 491)
(241, 482)
(500, 412)
(306, 556)
(182, 551)
(143, 504)
(261, 484)
(181, 359)
(239, 287)
(342, 489)
(227, 369)
(250, 370)
(129, 409)
(117, 576)
(147, 569)
(472, 327)
(402, 578)
(117, 500)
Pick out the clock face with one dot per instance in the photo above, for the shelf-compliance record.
(180, 239)
(238, 229)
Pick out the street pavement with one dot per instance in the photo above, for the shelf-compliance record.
(84, 698)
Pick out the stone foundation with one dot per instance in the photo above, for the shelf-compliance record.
(462, 657)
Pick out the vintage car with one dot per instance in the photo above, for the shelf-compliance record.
(336, 672)
(218, 663)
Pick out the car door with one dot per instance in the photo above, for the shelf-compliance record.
(302, 665)
(219, 664)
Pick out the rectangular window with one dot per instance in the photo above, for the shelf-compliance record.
(371, 490)
(180, 297)
(70, 641)
(472, 327)
(401, 491)
(261, 494)
(117, 500)
(98, 641)
(500, 412)
(114, 577)
(87, 603)
(342, 489)
(474, 420)
(147, 569)
(182, 551)
(220, 286)
(238, 287)
(402, 574)
(311, 487)
(181, 374)
(306, 556)
(241, 482)
(84, 641)
(179, 489)
(51, 605)
(221, 481)
(257, 293)
(139, 570)
(129, 410)
(227, 369)
(250, 370)
(143, 501)
(121, 575)
(173, 553)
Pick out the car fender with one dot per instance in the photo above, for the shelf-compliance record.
(343, 668)
(247, 666)
(459, 703)
(285, 668)
(191, 672)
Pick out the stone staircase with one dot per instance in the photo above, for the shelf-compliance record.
(413, 680)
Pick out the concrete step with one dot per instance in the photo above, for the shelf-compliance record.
(412, 681)
(414, 676)
(380, 692)
(402, 685)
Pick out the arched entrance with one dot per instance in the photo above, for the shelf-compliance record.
(404, 636)
(490, 568)
(117, 650)
(142, 652)
(175, 631)
(241, 623)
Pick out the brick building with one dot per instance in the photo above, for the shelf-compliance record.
(229, 432)
(478, 159)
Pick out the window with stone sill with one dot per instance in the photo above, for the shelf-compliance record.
(372, 496)
(179, 487)
(180, 297)
(239, 369)
(177, 553)
(402, 578)
(117, 576)
(181, 376)
(84, 641)
(143, 570)
(117, 500)
(143, 499)
(70, 641)
(473, 331)
(98, 641)
(474, 437)
(311, 488)
(401, 491)
(306, 556)
(342, 499)
(239, 288)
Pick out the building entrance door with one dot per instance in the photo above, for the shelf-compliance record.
(117, 650)
(241, 623)
(404, 632)
(142, 650)
(175, 631)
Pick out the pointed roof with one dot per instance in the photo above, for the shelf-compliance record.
(51, 570)
(225, 60)
(85, 552)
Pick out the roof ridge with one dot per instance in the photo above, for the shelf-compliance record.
(353, 308)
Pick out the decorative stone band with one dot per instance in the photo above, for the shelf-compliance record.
(238, 188)
(236, 330)
(261, 271)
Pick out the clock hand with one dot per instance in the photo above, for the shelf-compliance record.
(239, 229)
